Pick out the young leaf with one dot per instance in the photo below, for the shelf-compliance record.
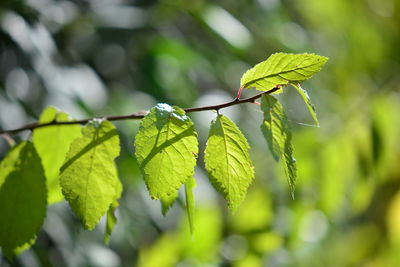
(275, 126)
(189, 186)
(168, 201)
(166, 149)
(282, 69)
(228, 162)
(111, 221)
(52, 144)
(289, 164)
(88, 178)
(111, 218)
(22, 198)
(307, 101)
(276, 130)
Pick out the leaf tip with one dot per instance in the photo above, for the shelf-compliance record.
(106, 240)
(165, 208)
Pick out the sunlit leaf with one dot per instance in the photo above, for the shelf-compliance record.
(282, 69)
(306, 98)
(275, 125)
(276, 130)
(166, 149)
(289, 164)
(189, 186)
(111, 221)
(22, 198)
(111, 217)
(52, 144)
(228, 162)
(88, 178)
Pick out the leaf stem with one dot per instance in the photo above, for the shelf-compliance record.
(137, 115)
(239, 93)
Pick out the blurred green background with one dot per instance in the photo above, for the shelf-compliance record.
(97, 57)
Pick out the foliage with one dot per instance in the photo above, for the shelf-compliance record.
(282, 69)
(88, 177)
(91, 58)
(275, 128)
(166, 148)
(52, 143)
(228, 161)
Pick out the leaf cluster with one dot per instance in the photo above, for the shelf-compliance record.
(77, 163)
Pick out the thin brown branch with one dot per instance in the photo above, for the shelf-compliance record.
(137, 115)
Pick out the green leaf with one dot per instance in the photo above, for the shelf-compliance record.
(22, 248)
(52, 144)
(168, 201)
(88, 178)
(228, 162)
(189, 186)
(22, 198)
(289, 165)
(282, 69)
(276, 130)
(275, 126)
(166, 149)
(307, 101)
(111, 221)
(111, 218)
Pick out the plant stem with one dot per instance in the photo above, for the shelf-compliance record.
(137, 115)
(239, 92)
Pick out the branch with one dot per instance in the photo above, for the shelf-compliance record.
(137, 115)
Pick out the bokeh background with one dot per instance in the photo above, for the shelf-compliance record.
(98, 57)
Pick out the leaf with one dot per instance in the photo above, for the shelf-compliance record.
(307, 101)
(22, 198)
(228, 162)
(52, 144)
(166, 149)
(111, 221)
(18, 250)
(88, 178)
(289, 165)
(282, 69)
(189, 186)
(276, 130)
(275, 126)
(111, 218)
(168, 201)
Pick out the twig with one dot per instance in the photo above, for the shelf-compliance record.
(137, 115)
